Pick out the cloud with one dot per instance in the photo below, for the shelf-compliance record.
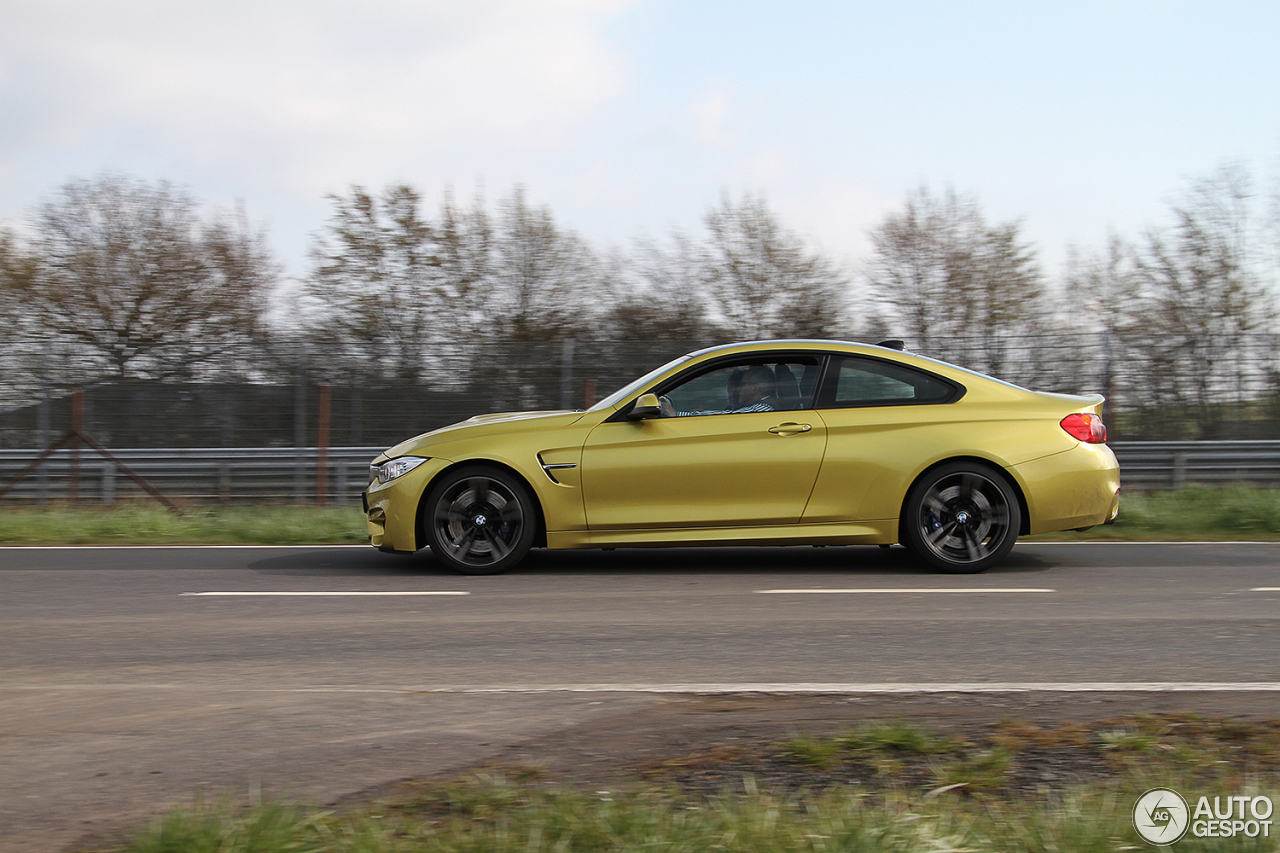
(709, 112)
(302, 90)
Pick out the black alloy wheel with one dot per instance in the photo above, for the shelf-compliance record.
(962, 518)
(480, 520)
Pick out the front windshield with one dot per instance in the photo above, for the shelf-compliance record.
(618, 396)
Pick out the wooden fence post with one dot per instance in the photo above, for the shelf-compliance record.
(77, 429)
(322, 445)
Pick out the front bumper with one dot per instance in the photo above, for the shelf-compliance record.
(391, 509)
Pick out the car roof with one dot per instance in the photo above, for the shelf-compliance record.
(796, 343)
(894, 352)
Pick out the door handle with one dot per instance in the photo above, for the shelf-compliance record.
(790, 429)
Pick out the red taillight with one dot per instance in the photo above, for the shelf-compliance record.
(1085, 427)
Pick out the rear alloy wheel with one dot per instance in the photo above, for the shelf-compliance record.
(480, 520)
(962, 518)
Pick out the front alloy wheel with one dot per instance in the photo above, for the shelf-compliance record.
(962, 518)
(479, 521)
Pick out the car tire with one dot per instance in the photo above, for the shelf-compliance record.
(480, 520)
(961, 518)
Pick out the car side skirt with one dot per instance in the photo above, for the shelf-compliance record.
(878, 532)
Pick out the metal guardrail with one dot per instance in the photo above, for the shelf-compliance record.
(195, 474)
(288, 475)
(1155, 465)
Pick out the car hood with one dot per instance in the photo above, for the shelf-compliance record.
(482, 425)
(507, 417)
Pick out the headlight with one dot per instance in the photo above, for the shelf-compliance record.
(396, 468)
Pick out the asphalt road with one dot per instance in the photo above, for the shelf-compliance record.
(132, 677)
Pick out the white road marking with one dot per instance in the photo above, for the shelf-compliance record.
(716, 688)
(1265, 589)
(901, 590)
(327, 594)
(884, 687)
(1089, 543)
(172, 547)
(1149, 542)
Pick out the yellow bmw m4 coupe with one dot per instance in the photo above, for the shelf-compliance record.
(769, 443)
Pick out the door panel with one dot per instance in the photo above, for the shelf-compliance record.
(872, 455)
(717, 470)
(885, 422)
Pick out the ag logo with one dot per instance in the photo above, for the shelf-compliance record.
(1161, 816)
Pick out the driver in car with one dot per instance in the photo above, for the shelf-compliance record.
(755, 394)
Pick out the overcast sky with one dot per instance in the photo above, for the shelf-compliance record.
(628, 117)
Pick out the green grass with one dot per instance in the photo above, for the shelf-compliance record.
(489, 815)
(498, 820)
(981, 771)
(1238, 512)
(966, 801)
(1196, 512)
(150, 524)
(817, 752)
(266, 828)
(898, 737)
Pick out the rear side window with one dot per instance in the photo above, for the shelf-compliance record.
(870, 382)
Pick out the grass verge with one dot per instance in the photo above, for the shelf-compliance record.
(1012, 786)
(1196, 512)
(1193, 512)
(1238, 512)
(148, 524)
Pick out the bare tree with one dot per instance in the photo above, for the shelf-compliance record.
(414, 297)
(17, 271)
(465, 247)
(1095, 311)
(543, 288)
(1186, 310)
(543, 275)
(1201, 295)
(761, 280)
(910, 268)
(658, 295)
(17, 274)
(377, 276)
(17, 266)
(136, 278)
(961, 287)
(1002, 294)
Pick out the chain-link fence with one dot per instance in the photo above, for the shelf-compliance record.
(282, 395)
(272, 397)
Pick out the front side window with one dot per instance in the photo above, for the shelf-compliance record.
(871, 382)
(745, 386)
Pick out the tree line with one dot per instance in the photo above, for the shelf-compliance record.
(120, 278)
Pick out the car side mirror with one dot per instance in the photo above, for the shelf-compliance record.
(647, 406)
